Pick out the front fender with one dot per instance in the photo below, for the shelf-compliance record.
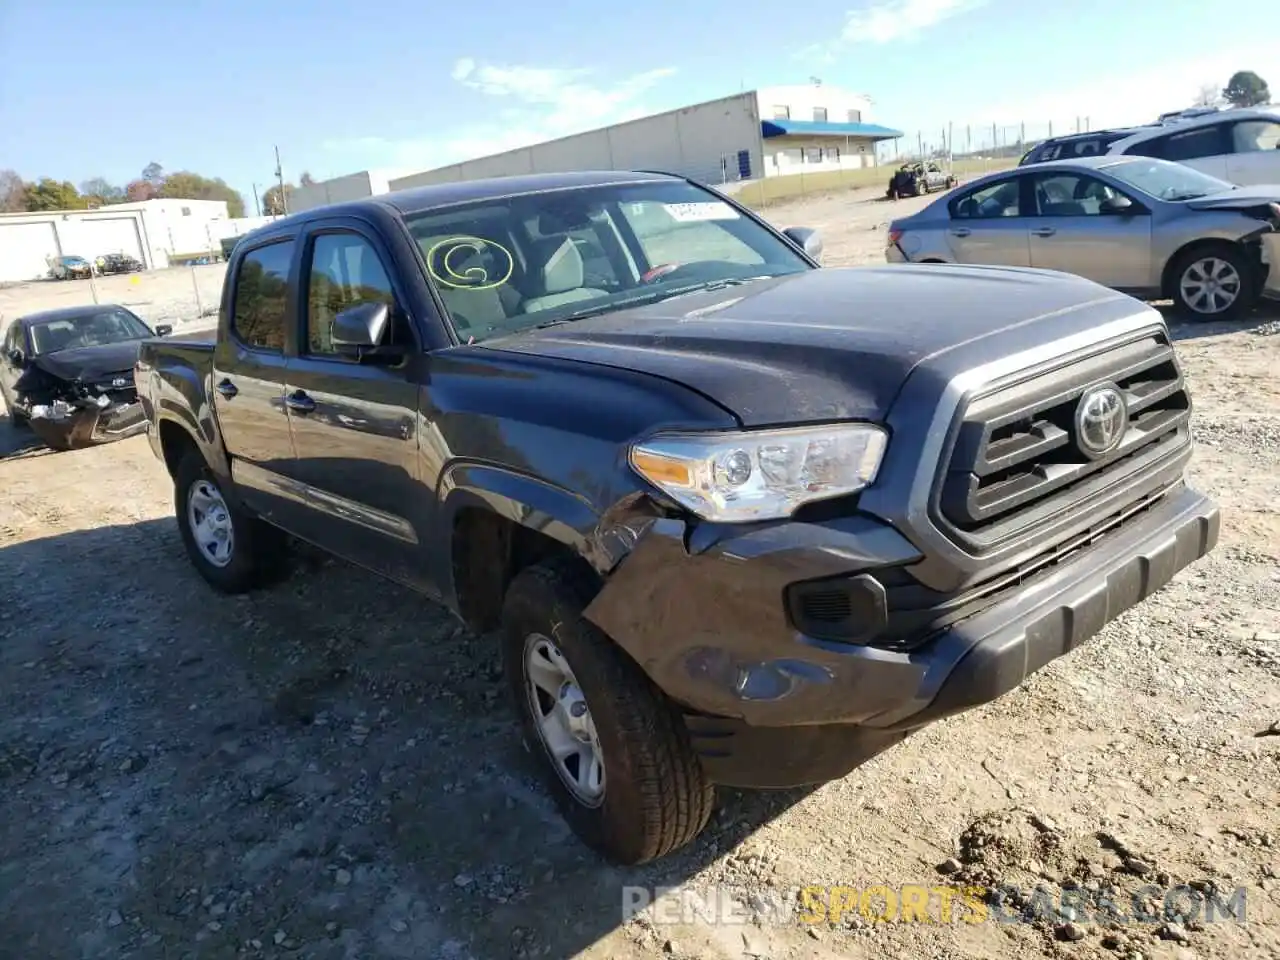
(603, 539)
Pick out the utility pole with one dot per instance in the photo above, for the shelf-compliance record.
(284, 201)
(257, 201)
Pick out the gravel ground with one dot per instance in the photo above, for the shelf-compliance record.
(328, 770)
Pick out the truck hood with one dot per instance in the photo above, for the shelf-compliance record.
(825, 344)
(90, 363)
(1241, 198)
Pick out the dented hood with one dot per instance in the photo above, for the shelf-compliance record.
(830, 343)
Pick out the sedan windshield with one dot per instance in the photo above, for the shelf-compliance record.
(1166, 181)
(87, 330)
(506, 265)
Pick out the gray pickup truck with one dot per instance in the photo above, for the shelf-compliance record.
(740, 519)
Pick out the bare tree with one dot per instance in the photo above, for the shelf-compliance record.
(13, 192)
(1210, 95)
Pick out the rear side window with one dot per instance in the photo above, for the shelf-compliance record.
(262, 293)
(998, 200)
(1252, 136)
(1177, 147)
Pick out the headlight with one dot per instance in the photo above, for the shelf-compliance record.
(761, 475)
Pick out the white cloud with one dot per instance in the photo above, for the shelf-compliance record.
(888, 21)
(533, 104)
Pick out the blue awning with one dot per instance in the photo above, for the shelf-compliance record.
(815, 128)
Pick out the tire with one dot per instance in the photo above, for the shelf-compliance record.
(257, 552)
(1197, 263)
(655, 797)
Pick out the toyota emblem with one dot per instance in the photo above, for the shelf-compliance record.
(119, 382)
(1102, 416)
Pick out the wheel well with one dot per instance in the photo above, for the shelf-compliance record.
(175, 441)
(488, 551)
(1167, 279)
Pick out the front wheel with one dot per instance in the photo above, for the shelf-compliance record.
(611, 747)
(1213, 283)
(231, 549)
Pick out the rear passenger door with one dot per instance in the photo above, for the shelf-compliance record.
(248, 378)
(987, 225)
(1255, 152)
(1204, 148)
(354, 423)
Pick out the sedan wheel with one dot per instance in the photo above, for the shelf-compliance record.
(1210, 285)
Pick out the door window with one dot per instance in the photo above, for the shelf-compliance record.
(1070, 195)
(262, 288)
(345, 272)
(1178, 147)
(1254, 136)
(998, 200)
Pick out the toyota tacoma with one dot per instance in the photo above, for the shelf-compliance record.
(739, 518)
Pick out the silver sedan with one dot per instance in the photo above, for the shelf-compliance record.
(1150, 228)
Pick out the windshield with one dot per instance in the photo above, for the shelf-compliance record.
(1165, 180)
(89, 330)
(506, 265)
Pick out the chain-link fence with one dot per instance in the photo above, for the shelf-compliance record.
(828, 164)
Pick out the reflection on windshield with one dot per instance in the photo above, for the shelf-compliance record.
(1166, 181)
(502, 266)
(90, 330)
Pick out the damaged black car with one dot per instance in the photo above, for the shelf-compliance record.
(68, 374)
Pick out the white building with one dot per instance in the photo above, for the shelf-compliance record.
(773, 131)
(155, 232)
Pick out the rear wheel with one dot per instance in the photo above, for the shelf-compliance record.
(1213, 283)
(231, 549)
(612, 748)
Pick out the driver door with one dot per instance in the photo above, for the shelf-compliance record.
(1071, 230)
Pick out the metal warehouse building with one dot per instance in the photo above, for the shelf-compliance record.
(768, 132)
(152, 231)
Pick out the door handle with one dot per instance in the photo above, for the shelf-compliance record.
(1043, 232)
(299, 402)
(960, 231)
(227, 389)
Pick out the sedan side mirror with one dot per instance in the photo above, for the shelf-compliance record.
(1117, 205)
(164, 329)
(359, 331)
(807, 239)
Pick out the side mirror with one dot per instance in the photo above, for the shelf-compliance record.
(1117, 205)
(807, 239)
(360, 329)
(164, 329)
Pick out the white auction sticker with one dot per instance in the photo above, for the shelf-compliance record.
(691, 212)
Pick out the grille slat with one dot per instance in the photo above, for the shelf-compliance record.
(1017, 449)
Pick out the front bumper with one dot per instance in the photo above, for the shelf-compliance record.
(769, 706)
(86, 428)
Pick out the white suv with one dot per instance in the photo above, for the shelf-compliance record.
(1239, 146)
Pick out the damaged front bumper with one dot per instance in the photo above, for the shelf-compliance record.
(712, 616)
(67, 425)
(1271, 258)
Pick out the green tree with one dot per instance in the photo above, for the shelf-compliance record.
(1246, 89)
(273, 203)
(50, 194)
(13, 192)
(185, 185)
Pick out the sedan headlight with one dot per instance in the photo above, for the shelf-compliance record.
(761, 475)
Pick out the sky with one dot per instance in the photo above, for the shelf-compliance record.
(406, 86)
